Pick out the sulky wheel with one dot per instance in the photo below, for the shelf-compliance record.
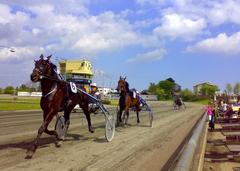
(60, 127)
(151, 118)
(110, 128)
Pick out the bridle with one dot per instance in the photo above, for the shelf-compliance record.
(39, 72)
(121, 88)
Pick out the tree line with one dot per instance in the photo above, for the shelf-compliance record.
(164, 90)
(233, 89)
(24, 87)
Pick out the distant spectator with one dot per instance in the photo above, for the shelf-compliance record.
(213, 118)
(209, 111)
(224, 106)
(229, 111)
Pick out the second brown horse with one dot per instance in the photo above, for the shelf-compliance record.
(126, 101)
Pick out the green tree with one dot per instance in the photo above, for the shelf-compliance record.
(229, 88)
(1, 90)
(209, 90)
(152, 88)
(9, 90)
(160, 93)
(187, 94)
(23, 87)
(236, 88)
(163, 89)
(168, 88)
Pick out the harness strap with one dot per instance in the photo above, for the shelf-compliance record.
(53, 90)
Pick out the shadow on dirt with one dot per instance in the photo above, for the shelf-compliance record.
(43, 142)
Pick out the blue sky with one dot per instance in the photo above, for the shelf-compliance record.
(145, 40)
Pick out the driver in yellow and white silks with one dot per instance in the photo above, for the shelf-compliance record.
(94, 90)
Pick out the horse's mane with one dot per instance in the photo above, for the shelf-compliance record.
(127, 86)
(54, 70)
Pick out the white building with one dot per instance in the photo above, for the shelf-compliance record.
(104, 90)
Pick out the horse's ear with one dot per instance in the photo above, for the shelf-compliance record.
(125, 78)
(49, 57)
(120, 77)
(41, 56)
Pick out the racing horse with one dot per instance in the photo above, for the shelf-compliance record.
(55, 98)
(177, 102)
(127, 100)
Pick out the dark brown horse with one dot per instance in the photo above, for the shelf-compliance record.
(177, 102)
(55, 98)
(127, 101)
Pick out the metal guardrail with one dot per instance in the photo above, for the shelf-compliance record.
(186, 158)
(182, 157)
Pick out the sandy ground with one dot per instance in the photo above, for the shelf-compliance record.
(135, 147)
(214, 139)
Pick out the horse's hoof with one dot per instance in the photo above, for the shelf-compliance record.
(90, 130)
(29, 154)
(59, 143)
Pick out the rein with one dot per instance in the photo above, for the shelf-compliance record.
(53, 79)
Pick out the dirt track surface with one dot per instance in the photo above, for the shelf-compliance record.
(135, 147)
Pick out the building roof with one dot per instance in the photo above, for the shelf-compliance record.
(207, 82)
(76, 67)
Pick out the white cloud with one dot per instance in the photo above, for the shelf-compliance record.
(80, 34)
(152, 2)
(106, 32)
(223, 12)
(222, 44)
(50, 27)
(178, 26)
(5, 14)
(154, 55)
(21, 53)
(215, 13)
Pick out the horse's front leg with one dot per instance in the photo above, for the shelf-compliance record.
(52, 132)
(126, 115)
(42, 128)
(137, 112)
(120, 115)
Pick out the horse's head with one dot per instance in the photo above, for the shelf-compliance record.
(42, 68)
(122, 86)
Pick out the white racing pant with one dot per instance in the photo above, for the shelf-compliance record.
(209, 117)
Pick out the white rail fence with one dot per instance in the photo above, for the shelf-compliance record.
(107, 97)
(32, 94)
